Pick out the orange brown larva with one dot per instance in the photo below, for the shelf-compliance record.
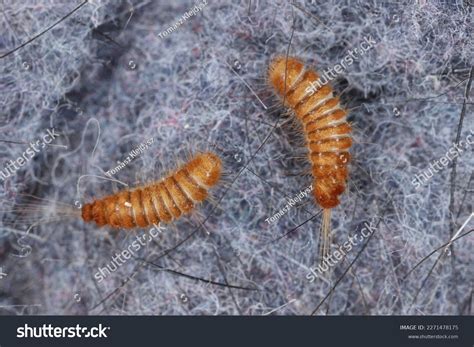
(162, 201)
(327, 133)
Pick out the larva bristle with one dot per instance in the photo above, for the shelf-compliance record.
(163, 201)
(327, 133)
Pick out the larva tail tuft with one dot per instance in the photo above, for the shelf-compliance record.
(30, 209)
(325, 235)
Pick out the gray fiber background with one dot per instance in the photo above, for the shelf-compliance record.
(105, 79)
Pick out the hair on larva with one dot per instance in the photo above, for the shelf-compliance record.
(326, 131)
(162, 201)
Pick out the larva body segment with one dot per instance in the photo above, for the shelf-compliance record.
(163, 201)
(326, 131)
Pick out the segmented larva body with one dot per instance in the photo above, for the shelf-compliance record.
(163, 201)
(326, 130)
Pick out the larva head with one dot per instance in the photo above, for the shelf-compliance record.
(282, 69)
(205, 168)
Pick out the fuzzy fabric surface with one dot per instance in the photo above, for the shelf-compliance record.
(184, 77)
